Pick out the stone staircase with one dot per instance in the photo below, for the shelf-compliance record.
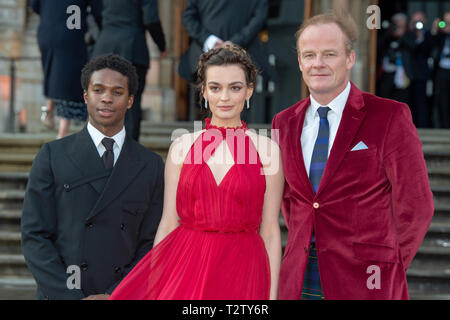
(428, 275)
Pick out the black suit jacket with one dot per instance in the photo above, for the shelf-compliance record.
(76, 213)
(124, 23)
(234, 20)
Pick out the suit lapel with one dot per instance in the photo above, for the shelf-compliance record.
(295, 154)
(128, 165)
(85, 157)
(352, 119)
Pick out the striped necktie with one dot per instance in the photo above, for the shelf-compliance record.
(320, 152)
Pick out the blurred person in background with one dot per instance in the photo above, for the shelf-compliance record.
(418, 39)
(211, 23)
(396, 75)
(123, 32)
(441, 42)
(63, 55)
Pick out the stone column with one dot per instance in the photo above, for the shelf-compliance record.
(158, 101)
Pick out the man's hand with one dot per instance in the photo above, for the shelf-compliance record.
(435, 26)
(164, 54)
(97, 297)
(219, 43)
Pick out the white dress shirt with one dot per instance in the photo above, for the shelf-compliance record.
(312, 121)
(210, 42)
(97, 137)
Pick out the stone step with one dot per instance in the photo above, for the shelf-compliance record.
(441, 209)
(429, 276)
(13, 265)
(439, 176)
(419, 295)
(16, 162)
(11, 199)
(10, 219)
(441, 193)
(17, 288)
(10, 242)
(13, 180)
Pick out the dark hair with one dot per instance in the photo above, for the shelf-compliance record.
(229, 54)
(113, 62)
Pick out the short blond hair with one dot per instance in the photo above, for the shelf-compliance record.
(342, 19)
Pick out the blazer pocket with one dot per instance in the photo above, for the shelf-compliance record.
(374, 252)
(361, 154)
(135, 208)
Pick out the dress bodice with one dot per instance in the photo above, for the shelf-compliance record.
(233, 204)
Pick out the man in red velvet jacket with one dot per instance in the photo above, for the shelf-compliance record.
(357, 200)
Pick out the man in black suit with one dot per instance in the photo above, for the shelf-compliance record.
(92, 204)
(211, 23)
(441, 42)
(124, 23)
(420, 45)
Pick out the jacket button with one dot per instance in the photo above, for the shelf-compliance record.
(117, 269)
(84, 266)
(316, 205)
(66, 186)
(122, 227)
(89, 224)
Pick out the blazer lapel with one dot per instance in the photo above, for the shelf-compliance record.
(85, 157)
(127, 167)
(352, 119)
(295, 154)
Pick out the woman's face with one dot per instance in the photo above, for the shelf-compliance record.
(226, 90)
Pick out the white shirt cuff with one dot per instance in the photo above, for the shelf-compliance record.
(210, 42)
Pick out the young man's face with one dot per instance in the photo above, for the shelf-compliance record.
(323, 59)
(107, 100)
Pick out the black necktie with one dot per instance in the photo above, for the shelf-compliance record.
(108, 155)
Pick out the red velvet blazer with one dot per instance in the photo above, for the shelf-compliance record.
(373, 206)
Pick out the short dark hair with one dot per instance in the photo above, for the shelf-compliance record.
(113, 62)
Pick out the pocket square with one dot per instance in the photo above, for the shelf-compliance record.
(360, 146)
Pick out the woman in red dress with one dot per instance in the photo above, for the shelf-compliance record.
(219, 236)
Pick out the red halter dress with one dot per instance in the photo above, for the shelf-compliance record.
(216, 253)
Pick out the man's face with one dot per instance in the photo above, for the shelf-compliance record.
(447, 22)
(401, 26)
(323, 60)
(107, 100)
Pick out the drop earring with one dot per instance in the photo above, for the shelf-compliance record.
(206, 103)
(248, 103)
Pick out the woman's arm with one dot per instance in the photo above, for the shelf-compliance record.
(169, 219)
(270, 228)
(175, 158)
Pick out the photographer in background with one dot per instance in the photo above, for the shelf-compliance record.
(394, 82)
(441, 47)
(418, 40)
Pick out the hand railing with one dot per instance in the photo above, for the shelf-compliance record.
(12, 95)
